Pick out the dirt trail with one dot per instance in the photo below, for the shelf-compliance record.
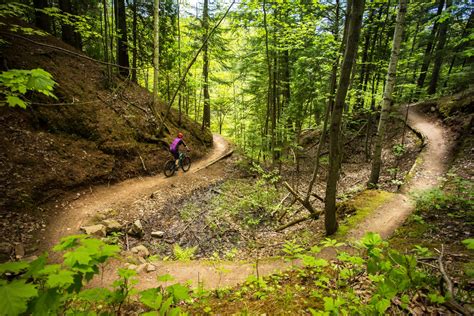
(82, 209)
(432, 163)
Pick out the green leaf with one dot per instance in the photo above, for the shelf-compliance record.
(178, 292)
(166, 306)
(64, 278)
(47, 303)
(382, 305)
(151, 298)
(165, 278)
(436, 298)
(36, 266)
(469, 243)
(15, 297)
(69, 242)
(13, 101)
(13, 267)
(126, 273)
(80, 256)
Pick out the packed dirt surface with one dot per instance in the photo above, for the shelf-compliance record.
(83, 207)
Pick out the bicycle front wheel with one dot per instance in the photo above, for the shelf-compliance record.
(186, 164)
(169, 168)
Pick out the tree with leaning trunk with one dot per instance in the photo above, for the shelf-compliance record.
(335, 137)
(387, 95)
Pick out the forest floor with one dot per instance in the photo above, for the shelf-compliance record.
(153, 201)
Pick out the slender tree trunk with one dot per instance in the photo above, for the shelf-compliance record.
(179, 65)
(462, 46)
(43, 21)
(330, 101)
(387, 95)
(156, 54)
(106, 40)
(364, 62)
(206, 117)
(270, 75)
(67, 30)
(135, 35)
(429, 48)
(439, 53)
(335, 148)
(122, 47)
(112, 30)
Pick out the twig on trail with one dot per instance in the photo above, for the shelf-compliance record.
(143, 163)
(126, 241)
(296, 221)
(451, 302)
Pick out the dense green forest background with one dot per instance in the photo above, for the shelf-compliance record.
(268, 71)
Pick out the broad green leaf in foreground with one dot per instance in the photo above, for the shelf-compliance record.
(15, 297)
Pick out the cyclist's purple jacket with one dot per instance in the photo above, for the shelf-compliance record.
(175, 144)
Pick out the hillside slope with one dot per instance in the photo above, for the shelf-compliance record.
(91, 134)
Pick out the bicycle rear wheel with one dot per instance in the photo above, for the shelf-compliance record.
(186, 164)
(169, 168)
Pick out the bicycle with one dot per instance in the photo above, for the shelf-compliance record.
(170, 166)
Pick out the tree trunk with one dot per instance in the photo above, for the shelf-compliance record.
(43, 21)
(156, 60)
(135, 50)
(429, 48)
(206, 117)
(387, 95)
(270, 75)
(462, 46)
(179, 66)
(439, 54)
(121, 26)
(106, 39)
(67, 30)
(335, 150)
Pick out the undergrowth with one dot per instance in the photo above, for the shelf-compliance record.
(367, 278)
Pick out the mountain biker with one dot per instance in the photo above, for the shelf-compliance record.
(174, 147)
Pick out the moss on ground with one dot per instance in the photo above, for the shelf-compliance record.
(360, 207)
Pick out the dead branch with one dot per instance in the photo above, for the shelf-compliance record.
(143, 163)
(304, 202)
(451, 302)
(296, 221)
(318, 197)
(277, 208)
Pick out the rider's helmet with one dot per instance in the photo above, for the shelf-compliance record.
(180, 135)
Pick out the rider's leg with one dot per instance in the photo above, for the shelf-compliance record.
(176, 158)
